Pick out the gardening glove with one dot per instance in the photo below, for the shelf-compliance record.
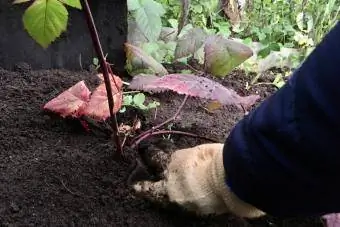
(194, 179)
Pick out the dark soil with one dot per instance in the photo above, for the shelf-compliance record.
(53, 173)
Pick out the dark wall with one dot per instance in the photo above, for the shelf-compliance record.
(73, 50)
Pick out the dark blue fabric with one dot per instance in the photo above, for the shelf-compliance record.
(284, 157)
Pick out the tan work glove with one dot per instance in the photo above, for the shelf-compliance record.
(194, 178)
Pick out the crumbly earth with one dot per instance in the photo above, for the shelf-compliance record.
(54, 173)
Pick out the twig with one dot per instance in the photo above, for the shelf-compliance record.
(103, 65)
(148, 132)
(171, 132)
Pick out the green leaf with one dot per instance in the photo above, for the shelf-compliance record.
(148, 18)
(20, 1)
(223, 55)
(138, 61)
(190, 42)
(264, 52)
(122, 110)
(72, 3)
(95, 61)
(153, 104)
(45, 20)
(127, 100)
(135, 36)
(133, 5)
(139, 99)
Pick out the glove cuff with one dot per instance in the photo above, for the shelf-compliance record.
(233, 203)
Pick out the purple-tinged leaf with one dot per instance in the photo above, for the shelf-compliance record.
(137, 61)
(190, 42)
(141, 81)
(223, 55)
(193, 85)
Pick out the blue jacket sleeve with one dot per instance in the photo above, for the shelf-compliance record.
(284, 157)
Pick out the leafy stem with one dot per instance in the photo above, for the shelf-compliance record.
(105, 67)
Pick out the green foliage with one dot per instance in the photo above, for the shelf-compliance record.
(294, 23)
(222, 55)
(137, 101)
(46, 20)
(190, 42)
(147, 14)
(137, 61)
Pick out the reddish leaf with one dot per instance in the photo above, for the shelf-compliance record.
(141, 81)
(194, 86)
(332, 220)
(71, 101)
(98, 107)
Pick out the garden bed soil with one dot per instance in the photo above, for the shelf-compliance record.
(54, 173)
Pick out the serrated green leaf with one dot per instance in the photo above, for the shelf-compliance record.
(20, 1)
(45, 20)
(148, 18)
(223, 55)
(72, 3)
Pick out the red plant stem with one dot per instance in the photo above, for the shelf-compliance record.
(97, 45)
(150, 131)
(171, 132)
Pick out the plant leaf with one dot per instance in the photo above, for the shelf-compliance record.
(223, 55)
(127, 100)
(70, 102)
(72, 3)
(133, 5)
(193, 85)
(168, 34)
(98, 107)
(148, 18)
(135, 36)
(138, 60)
(140, 82)
(45, 20)
(190, 42)
(185, 4)
(139, 99)
(332, 220)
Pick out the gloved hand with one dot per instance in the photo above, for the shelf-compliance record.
(194, 179)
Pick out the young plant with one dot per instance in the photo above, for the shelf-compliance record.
(45, 20)
(137, 101)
